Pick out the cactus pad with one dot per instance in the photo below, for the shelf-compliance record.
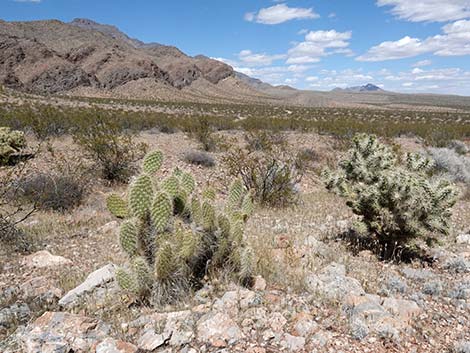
(140, 195)
(117, 206)
(152, 162)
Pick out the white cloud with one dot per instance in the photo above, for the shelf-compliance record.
(454, 41)
(311, 78)
(428, 10)
(316, 44)
(247, 57)
(417, 71)
(280, 13)
(422, 63)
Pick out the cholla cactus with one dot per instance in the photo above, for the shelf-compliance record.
(10, 142)
(173, 237)
(396, 199)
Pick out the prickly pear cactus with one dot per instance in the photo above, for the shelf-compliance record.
(396, 199)
(175, 236)
(11, 142)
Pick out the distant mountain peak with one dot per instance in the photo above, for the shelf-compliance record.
(365, 88)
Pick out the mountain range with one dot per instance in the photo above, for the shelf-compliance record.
(86, 58)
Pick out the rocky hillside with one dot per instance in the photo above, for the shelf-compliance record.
(49, 57)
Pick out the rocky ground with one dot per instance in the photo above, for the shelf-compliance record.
(314, 292)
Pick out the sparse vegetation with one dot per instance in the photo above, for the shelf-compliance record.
(271, 174)
(113, 150)
(396, 199)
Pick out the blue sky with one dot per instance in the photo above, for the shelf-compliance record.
(401, 45)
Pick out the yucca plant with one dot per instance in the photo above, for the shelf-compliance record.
(174, 236)
(397, 200)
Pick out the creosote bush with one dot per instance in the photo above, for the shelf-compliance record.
(113, 150)
(271, 174)
(202, 130)
(397, 201)
(174, 236)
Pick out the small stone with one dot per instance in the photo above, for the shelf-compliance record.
(277, 322)
(293, 343)
(110, 345)
(321, 338)
(214, 327)
(405, 310)
(304, 325)
(43, 259)
(151, 340)
(463, 239)
(259, 283)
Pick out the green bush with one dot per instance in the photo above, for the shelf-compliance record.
(397, 201)
(174, 236)
(113, 150)
(272, 175)
(202, 130)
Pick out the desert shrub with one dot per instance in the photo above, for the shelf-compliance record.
(60, 187)
(12, 211)
(174, 236)
(459, 147)
(11, 142)
(199, 158)
(271, 175)
(397, 201)
(202, 131)
(457, 166)
(262, 140)
(113, 150)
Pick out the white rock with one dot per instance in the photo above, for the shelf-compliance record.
(44, 258)
(151, 340)
(293, 343)
(94, 280)
(110, 345)
(212, 328)
(463, 239)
